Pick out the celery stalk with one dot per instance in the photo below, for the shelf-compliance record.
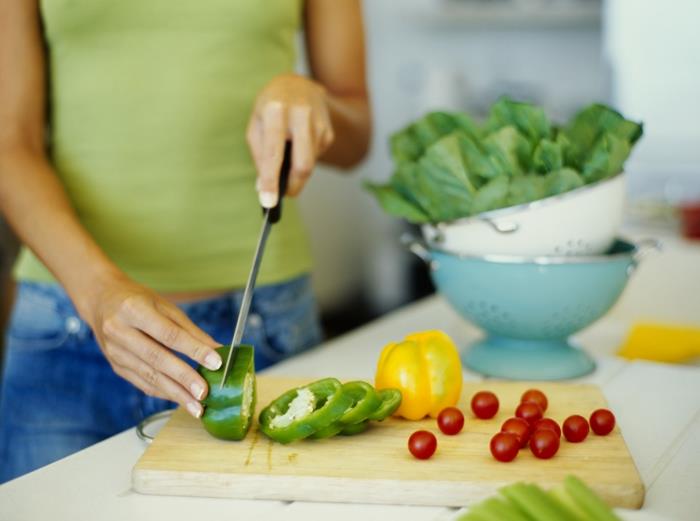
(534, 502)
(575, 512)
(585, 498)
(500, 510)
(472, 515)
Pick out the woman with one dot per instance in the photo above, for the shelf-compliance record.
(131, 135)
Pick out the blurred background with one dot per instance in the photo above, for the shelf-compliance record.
(641, 56)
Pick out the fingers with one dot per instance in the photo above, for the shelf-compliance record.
(152, 381)
(178, 316)
(169, 333)
(136, 380)
(290, 107)
(255, 141)
(303, 149)
(274, 134)
(324, 135)
(311, 135)
(161, 360)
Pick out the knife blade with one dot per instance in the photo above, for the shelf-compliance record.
(270, 216)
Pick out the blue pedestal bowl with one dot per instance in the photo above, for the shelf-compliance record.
(529, 307)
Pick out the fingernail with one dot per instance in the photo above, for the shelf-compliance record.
(257, 184)
(194, 409)
(212, 361)
(267, 199)
(197, 390)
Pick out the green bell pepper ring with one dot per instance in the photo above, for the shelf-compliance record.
(327, 432)
(365, 401)
(391, 400)
(228, 410)
(356, 428)
(300, 412)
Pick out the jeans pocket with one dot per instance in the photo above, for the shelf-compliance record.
(289, 316)
(36, 323)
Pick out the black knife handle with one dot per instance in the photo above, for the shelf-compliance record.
(276, 211)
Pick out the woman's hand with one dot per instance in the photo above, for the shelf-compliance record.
(137, 329)
(289, 107)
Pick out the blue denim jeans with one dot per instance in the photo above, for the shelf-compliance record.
(59, 393)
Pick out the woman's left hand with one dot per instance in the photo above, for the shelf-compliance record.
(289, 107)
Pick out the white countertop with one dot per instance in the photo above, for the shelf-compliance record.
(657, 406)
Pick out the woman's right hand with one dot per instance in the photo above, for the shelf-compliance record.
(137, 331)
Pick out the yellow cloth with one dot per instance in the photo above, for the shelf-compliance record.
(149, 101)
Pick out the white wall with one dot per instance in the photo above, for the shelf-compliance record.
(654, 49)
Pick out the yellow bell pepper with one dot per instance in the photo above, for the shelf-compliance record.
(662, 343)
(426, 368)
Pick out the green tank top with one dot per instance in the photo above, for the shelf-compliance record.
(148, 105)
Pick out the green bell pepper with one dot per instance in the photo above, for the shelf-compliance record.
(228, 410)
(300, 412)
(391, 400)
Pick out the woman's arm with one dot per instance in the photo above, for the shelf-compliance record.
(335, 44)
(326, 116)
(134, 326)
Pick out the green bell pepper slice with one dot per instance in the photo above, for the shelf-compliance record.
(300, 412)
(228, 410)
(391, 400)
(365, 401)
(355, 428)
(327, 432)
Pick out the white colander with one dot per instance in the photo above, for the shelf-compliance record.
(583, 221)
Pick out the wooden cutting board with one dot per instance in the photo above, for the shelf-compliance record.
(376, 467)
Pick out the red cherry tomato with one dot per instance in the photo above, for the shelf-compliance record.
(602, 422)
(519, 427)
(450, 420)
(544, 443)
(422, 444)
(484, 405)
(529, 411)
(575, 428)
(535, 396)
(504, 446)
(547, 423)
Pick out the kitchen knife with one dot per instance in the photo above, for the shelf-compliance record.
(270, 216)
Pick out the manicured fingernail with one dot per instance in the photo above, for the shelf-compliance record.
(194, 409)
(197, 390)
(212, 361)
(267, 199)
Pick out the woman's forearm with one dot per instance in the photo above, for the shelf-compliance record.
(352, 123)
(38, 209)
(335, 48)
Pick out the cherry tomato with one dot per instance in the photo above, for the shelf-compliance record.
(575, 428)
(484, 405)
(519, 427)
(544, 443)
(535, 396)
(602, 422)
(528, 411)
(422, 444)
(547, 423)
(504, 446)
(450, 420)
